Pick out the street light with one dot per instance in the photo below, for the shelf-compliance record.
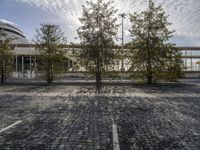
(123, 16)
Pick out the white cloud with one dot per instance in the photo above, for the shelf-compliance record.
(184, 14)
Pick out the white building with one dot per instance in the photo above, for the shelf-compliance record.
(25, 54)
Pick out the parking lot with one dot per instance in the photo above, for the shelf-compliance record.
(71, 117)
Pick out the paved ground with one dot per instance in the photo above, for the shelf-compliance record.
(60, 117)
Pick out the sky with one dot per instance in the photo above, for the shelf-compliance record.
(29, 14)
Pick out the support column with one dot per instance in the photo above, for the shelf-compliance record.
(195, 66)
(30, 64)
(199, 67)
(23, 66)
(30, 61)
(35, 63)
(186, 60)
(191, 61)
(34, 72)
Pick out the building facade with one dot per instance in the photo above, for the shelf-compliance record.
(25, 55)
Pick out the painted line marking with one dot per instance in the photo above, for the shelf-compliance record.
(74, 91)
(115, 137)
(53, 94)
(10, 126)
(40, 90)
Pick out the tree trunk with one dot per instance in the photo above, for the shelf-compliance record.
(2, 76)
(3, 72)
(51, 72)
(149, 68)
(149, 77)
(98, 75)
(48, 73)
(149, 65)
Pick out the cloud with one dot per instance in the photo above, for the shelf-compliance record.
(184, 14)
(8, 22)
(68, 10)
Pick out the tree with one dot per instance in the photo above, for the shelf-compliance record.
(6, 57)
(97, 35)
(49, 42)
(152, 57)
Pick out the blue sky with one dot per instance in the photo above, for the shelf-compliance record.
(27, 17)
(28, 14)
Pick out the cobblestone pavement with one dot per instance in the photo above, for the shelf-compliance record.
(161, 117)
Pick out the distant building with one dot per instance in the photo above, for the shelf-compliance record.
(13, 32)
(25, 54)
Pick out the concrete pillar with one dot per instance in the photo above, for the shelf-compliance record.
(35, 63)
(30, 64)
(199, 67)
(195, 66)
(185, 60)
(22, 64)
(30, 61)
(191, 62)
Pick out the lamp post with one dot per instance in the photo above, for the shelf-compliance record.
(122, 15)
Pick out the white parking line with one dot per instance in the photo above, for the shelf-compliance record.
(74, 91)
(40, 90)
(53, 94)
(115, 137)
(10, 126)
